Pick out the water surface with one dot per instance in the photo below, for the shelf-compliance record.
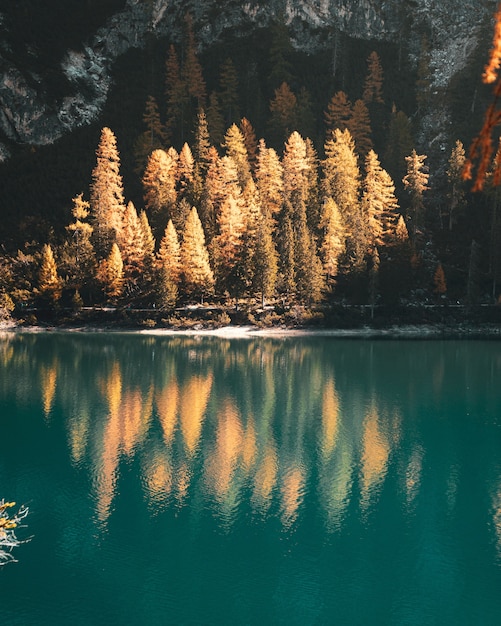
(183, 480)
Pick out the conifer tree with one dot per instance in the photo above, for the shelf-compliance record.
(280, 54)
(359, 126)
(185, 173)
(159, 185)
(106, 192)
(168, 264)
(50, 284)
(176, 96)
(235, 148)
(338, 113)
(265, 260)
(132, 249)
(423, 83)
(416, 183)
(215, 119)
(152, 138)
(373, 279)
(379, 203)
(192, 70)
(308, 268)
(305, 117)
(399, 145)
(373, 85)
(198, 278)
(333, 239)
(269, 180)
(110, 273)
(286, 249)
(202, 143)
(456, 194)
(228, 95)
(148, 238)
(296, 166)
(250, 142)
(283, 109)
(80, 266)
(312, 190)
(439, 282)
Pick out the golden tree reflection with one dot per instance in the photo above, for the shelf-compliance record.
(330, 417)
(194, 398)
(375, 453)
(292, 493)
(167, 403)
(48, 384)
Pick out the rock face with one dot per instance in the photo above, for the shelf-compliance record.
(32, 113)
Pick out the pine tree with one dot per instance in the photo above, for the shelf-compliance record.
(132, 250)
(202, 143)
(229, 90)
(416, 183)
(295, 166)
(80, 266)
(280, 54)
(456, 194)
(305, 116)
(338, 113)
(176, 96)
(373, 85)
(215, 119)
(197, 274)
(286, 248)
(106, 193)
(283, 109)
(439, 283)
(192, 70)
(373, 279)
(154, 136)
(50, 284)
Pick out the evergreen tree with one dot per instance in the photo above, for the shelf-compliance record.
(176, 97)
(373, 85)
(106, 193)
(215, 119)
(439, 283)
(197, 274)
(81, 262)
(338, 113)
(283, 109)
(152, 138)
(286, 249)
(305, 116)
(168, 264)
(373, 279)
(192, 71)
(456, 194)
(202, 143)
(132, 250)
(416, 183)
(50, 284)
(185, 173)
(399, 144)
(228, 95)
(296, 166)
(280, 55)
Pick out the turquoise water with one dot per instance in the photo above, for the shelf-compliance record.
(178, 480)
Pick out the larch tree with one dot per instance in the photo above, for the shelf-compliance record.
(439, 282)
(50, 284)
(228, 92)
(283, 107)
(416, 183)
(198, 279)
(280, 54)
(235, 148)
(455, 180)
(192, 70)
(106, 192)
(269, 179)
(159, 185)
(399, 144)
(153, 137)
(132, 249)
(295, 165)
(379, 204)
(359, 126)
(110, 273)
(215, 119)
(168, 264)
(265, 260)
(373, 85)
(176, 96)
(185, 172)
(81, 265)
(338, 113)
(333, 242)
(250, 142)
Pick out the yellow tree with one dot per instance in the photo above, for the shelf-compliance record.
(159, 184)
(168, 263)
(338, 113)
(269, 180)
(198, 278)
(106, 192)
(50, 284)
(334, 238)
(235, 148)
(360, 129)
(110, 273)
(416, 183)
(373, 85)
(283, 109)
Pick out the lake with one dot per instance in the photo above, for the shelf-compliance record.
(204, 480)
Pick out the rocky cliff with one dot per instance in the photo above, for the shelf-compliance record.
(41, 102)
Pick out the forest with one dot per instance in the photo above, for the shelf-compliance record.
(323, 203)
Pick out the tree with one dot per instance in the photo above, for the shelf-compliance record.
(399, 144)
(423, 83)
(280, 54)
(373, 85)
(81, 265)
(236, 150)
(373, 279)
(110, 273)
(50, 284)
(228, 94)
(456, 183)
(295, 166)
(269, 180)
(338, 113)
(283, 109)
(159, 185)
(153, 137)
(359, 126)
(265, 260)
(416, 183)
(334, 238)
(379, 203)
(440, 285)
(215, 119)
(106, 193)
(168, 264)
(132, 249)
(192, 70)
(250, 142)
(197, 274)
(175, 95)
